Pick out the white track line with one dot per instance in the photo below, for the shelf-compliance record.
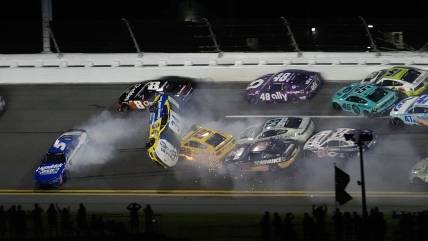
(311, 116)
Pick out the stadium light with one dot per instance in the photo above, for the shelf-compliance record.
(313, 30)
(370, 26)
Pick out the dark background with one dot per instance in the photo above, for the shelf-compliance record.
(160, 26)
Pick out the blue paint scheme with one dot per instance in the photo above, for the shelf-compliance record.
(415, 114)
(159, 110)
(54, 163)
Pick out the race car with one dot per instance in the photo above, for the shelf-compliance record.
(410, 111)
(296, 128)
(141, 95)
(53, 169)
(332, 143)
(364, 99)
(263, 155)
(206, 147)
(164, 131)
(407, 80)
(2, 104)
(288, 85)
(419, 172)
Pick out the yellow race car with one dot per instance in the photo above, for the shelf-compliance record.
(206, 147)
(164, 131)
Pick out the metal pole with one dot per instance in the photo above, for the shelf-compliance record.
(291, 36)
(46, 18)
(134, 40)
(363, 183)
(369, 35)
(54, 42)
(213, 37)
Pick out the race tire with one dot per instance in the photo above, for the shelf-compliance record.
(294, 100)
(356, 109)
(336, 106)
(252, 100)
(397, 122)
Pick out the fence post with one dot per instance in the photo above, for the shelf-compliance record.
(134, 40)
(291, 36)
(213, 38)
(369, 35)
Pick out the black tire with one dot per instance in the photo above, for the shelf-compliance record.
(252, 100)
(368, 114)
(294, 100)
(356, 109)
(397, 122)
(336, 106)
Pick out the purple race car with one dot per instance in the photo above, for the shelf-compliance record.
(288, 85)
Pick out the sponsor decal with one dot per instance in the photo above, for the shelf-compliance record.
(268, 161)
(273, 96)
(167, 153)
(314, 85)
(47, 170)
(131, 92)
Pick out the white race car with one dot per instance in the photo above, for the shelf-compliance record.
(296, 128)
(332, 143)
(407, 80)
(410, 111)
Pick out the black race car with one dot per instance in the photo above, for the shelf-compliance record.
(140, 96)
(265, 155)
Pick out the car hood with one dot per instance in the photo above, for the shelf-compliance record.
(402, 106)
(255, 89)
(48, 172)
(316, 140)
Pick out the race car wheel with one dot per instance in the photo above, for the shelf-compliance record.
(397, 122)
(336, 106)
(294, 100)
(252, 100)
(368, 114)
(356, 109)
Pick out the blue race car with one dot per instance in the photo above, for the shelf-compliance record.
(52, 170)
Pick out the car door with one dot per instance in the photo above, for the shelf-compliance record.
(355, 104)
(333, 148)
(420, 115)
(387, 83)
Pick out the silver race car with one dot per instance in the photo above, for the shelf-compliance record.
(295, 128)
(332, 143)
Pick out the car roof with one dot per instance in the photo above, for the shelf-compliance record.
(421, 101)
(363, 90)
(397, 73)
(201, 135)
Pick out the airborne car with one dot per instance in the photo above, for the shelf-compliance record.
(419, 172)
(407, 80)
(288, 85)
(206, 146)
(264, 155)
(332, 143)
(364, 99)
(141, 95)
(52, 170)
(296, 128)
(411, 111)
(164, 131)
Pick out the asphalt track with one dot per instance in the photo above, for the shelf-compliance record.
(36, 114)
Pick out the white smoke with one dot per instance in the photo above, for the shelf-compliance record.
(107, 133)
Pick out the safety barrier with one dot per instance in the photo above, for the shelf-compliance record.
(125, 68)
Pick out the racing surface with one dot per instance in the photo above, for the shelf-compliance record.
(37, 114)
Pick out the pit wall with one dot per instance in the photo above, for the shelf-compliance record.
(126, 68)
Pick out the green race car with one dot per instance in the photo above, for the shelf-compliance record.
(364, 99)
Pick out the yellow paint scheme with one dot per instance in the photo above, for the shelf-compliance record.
(204, 153)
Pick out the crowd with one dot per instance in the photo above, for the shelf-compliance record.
(344, 226)
(60, 223)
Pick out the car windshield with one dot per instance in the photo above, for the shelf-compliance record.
(377, 95)
(54, 158)
(215, 140)
(173, 87)
(411, 76)
(270, 133)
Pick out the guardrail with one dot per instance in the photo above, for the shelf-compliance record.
(121, 68)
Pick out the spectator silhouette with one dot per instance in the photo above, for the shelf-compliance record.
(347, 226)
(133, 209)
(277, 226)
(265, 227)
(82, 223)
(338, 225)
(52, 220)
(308, 227)
(37, 221)
(21, 222)
(358, 226)
(149, 219)
(11, 214)
(3, 223)
(289, 232)
(320, 214)
(65, 221)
